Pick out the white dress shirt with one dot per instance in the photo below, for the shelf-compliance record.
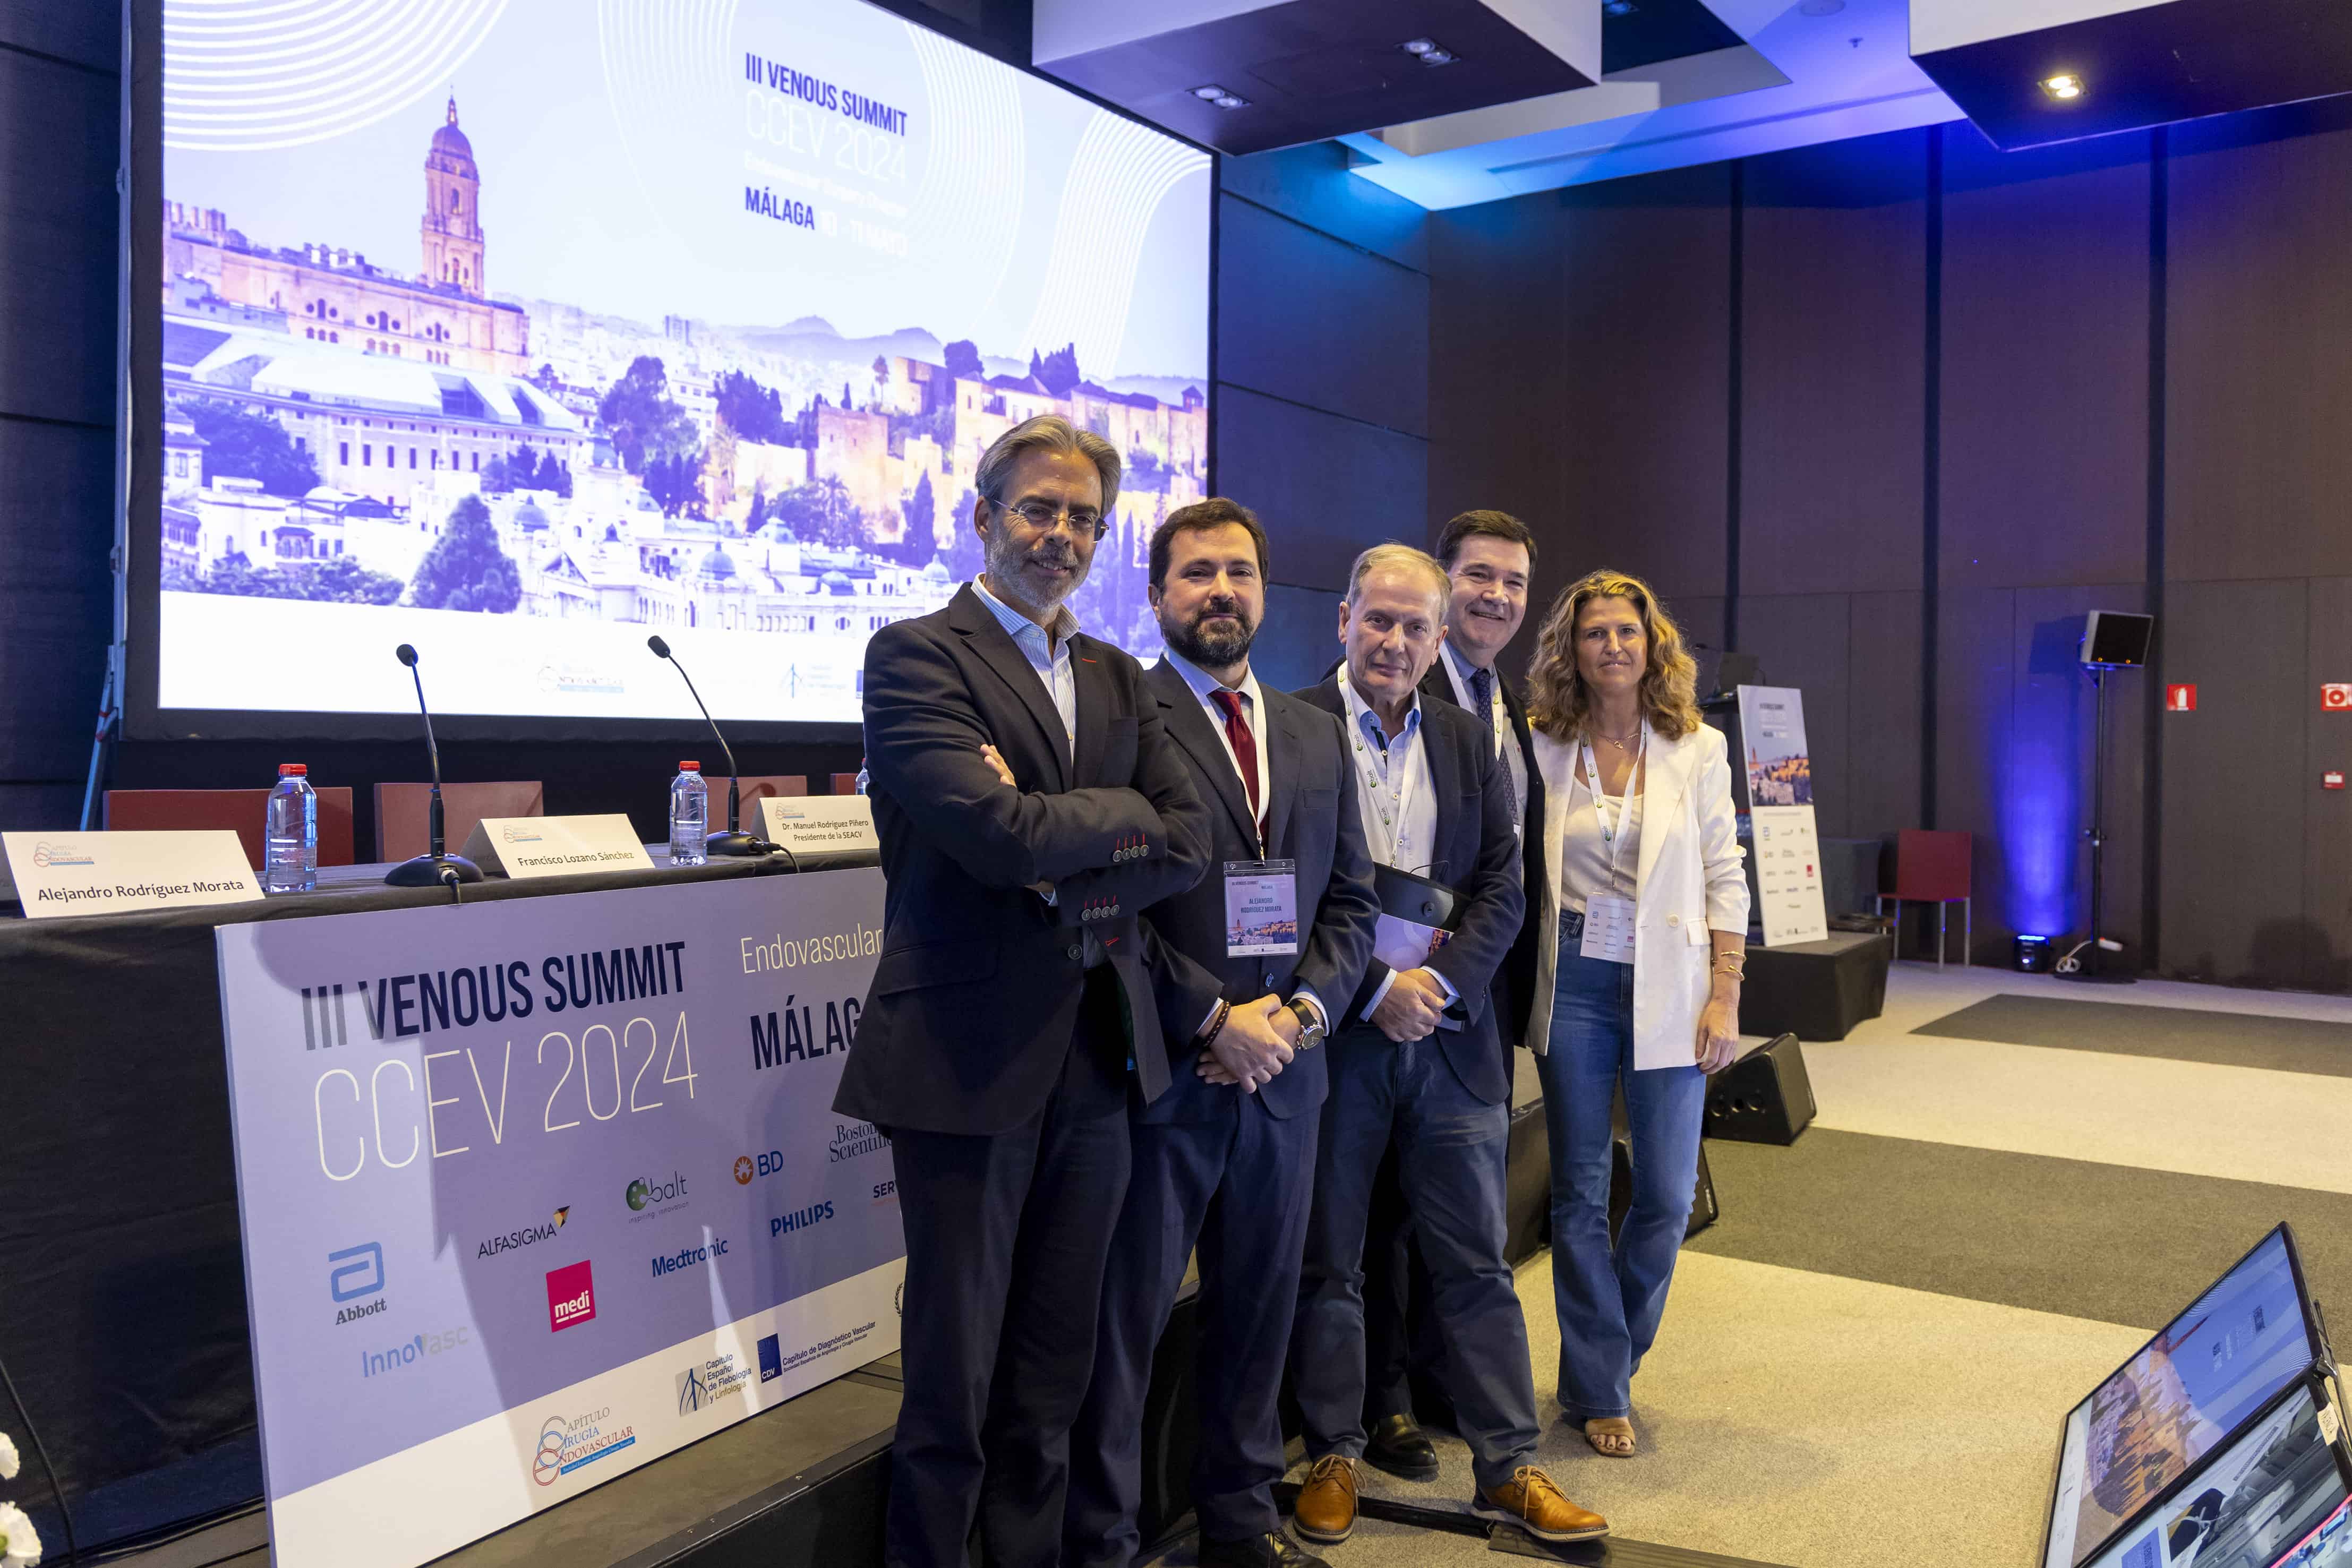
(1048, 655)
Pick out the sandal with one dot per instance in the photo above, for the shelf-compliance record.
(1610, 1435)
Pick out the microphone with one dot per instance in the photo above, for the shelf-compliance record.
(438, 866)
(733, 841)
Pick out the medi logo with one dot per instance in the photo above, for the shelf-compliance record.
(570, 1296)
(646, 1198)
(537, 1231)
(357, 1273)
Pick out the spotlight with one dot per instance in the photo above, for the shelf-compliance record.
(1230, 101)
(1418, 46)
(1618, 7)
(1210, 94)
(2064, 87)
(2033, 954)
(1438, 57)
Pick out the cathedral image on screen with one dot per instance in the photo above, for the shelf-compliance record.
(343, 429)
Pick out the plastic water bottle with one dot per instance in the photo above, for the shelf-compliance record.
(689, 815)
(863, 777)
(290, 862)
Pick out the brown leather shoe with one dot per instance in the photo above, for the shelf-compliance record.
(1529, 1501)
(1326, 1511)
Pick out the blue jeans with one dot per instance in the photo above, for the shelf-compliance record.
(1450, 1150)
(1610, 1300)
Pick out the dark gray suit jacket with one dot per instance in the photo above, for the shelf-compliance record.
(1312, 818)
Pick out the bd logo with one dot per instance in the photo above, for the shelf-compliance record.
(744, 1171)
(570, 1296)
(642, 1195)
(767, 1164)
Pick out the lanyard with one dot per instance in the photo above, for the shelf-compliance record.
(1613, 836)
(1397, 791)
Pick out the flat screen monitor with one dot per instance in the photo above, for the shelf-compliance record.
(2280, 1496)
(2185, 1391)
(2117, 639)
(552, 325)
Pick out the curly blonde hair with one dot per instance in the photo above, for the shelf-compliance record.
(1558, 701)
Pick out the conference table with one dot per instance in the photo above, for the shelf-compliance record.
(122, 1294)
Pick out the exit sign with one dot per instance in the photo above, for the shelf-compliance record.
(2180, 699)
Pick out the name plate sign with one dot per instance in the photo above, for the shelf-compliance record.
(90, 874)
(522, 847)
(805, 823)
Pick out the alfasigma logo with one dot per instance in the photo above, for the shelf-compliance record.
(688, 1257)
(570, 1296)
(45, 853)
(853, 1139)
(409, 1351)
(354, 1274)
(642, 1194)
(800, 1219)
(529, 1235)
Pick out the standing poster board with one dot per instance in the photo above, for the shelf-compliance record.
(1787, 846)
(536, 1191)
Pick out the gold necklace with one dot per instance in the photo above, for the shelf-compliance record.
(1612, 740)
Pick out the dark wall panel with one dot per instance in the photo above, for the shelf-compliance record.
(1312, 320)
(88, 32)
(1646, 279)
(1883, 750)
(2258, 450)
(1311, 183)
(2044, 400)
(1499, 375)
(1805, 641)
(1834, 320)
(1300, 638)
(2234, 845)
(2328, 874)
(1324, 486)
(58, 132)
(1976, 695)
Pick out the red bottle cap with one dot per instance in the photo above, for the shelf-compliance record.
(293, 769)
(689, 768)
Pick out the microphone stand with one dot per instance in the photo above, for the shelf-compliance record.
(438, 866)
(733, 843)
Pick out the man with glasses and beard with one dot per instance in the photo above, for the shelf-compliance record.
(1030, 807)
(1224, 1161)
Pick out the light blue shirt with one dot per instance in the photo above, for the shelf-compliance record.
(1049, 656)
(1399, 799)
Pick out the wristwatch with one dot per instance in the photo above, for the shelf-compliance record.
(1310, 1025)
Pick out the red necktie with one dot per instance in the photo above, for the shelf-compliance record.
(1244, 745)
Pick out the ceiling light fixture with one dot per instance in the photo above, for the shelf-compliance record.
(1439, 57)
(1209, 94)
(1418, 46)
(2066, 87)
(1231, 101)
(1618, 7)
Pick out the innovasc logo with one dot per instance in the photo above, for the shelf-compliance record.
(570, 1296)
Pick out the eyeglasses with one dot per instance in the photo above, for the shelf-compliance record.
(1084, 522)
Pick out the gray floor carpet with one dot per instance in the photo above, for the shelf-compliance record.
(2181, 1034)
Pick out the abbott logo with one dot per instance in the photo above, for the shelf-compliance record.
(358, 1272)
(570, 1296)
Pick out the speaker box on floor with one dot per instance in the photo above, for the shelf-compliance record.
(1762, 1098)
(1705, 1210)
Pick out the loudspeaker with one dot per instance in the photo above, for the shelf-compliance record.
(1705, 1210)
(1762, 1098)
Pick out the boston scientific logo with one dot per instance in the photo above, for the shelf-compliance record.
(648, 1197)
(800, 1219)
(855, 1140)
(571, 1297)
(356, 1274)
(529, 1235)
(568, 1442)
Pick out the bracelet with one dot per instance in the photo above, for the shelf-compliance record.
(1727, 964)
(1217, 1025)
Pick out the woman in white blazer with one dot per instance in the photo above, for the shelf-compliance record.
(1642, 925)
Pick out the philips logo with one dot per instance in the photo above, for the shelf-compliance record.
(570, 1296)
(801, 1218)
(688, 1257)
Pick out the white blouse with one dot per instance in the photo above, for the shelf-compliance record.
(1584, 854)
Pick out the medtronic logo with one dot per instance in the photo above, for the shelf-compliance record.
(800, 1219)
(851, 1140)
(570, 1296)
(357, 1273)
(642, 1195)
(527, 1236)
(688, 1257)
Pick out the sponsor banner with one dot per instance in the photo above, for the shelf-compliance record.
(105, 874)
(527, 1185)
(1786, 846)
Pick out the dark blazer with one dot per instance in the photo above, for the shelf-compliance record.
(977, 990)
(1515, 982)
(1476, 854)
(1312, 817)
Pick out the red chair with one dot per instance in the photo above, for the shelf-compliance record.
(844, 783)
(1933, 867)
(244, 812)
(402, 828)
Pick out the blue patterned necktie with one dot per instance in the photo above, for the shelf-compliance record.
(1482, 687)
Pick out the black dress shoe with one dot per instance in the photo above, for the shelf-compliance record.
(1400, 1447)
(1273, 1551)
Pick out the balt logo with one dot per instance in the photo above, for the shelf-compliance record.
(357, 1273)
(570, 1296)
